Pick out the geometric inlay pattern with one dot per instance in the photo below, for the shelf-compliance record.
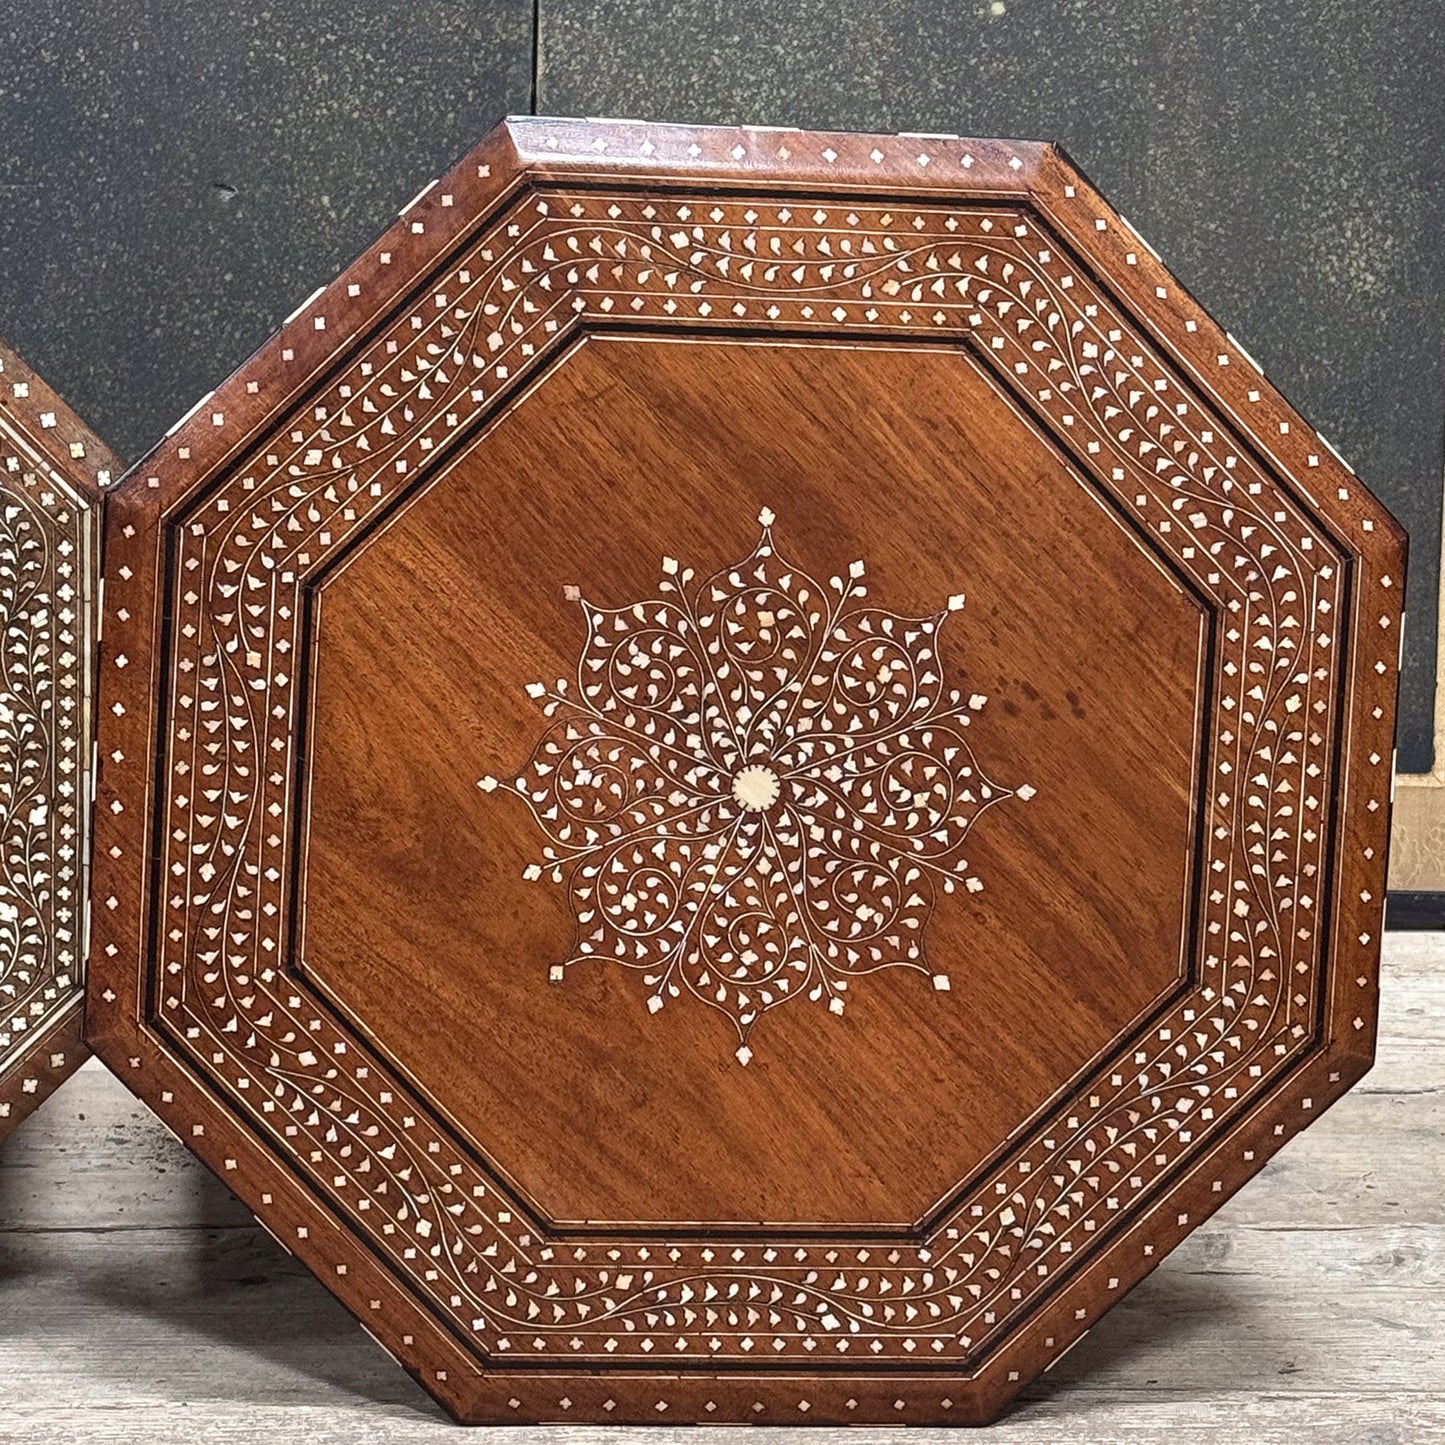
(216, 542)
(755, 788)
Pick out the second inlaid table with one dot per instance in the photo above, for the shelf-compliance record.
(53, 470)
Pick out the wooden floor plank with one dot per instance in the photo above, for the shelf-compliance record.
(1079, 1419)
(138, 1299)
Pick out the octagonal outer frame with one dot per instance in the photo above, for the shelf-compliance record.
(53, 470)
(1333, 1052)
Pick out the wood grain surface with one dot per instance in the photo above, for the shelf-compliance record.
(52, 473)
(921, 476)
(743, 775)
(140, 1300)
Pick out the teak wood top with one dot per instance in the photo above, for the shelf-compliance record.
(741, 774)
(52, 470)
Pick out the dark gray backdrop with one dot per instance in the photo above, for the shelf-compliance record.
(175, 177)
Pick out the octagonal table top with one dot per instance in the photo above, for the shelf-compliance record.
(742, 773)
(52, 471)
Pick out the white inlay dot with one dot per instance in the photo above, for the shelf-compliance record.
(756, 788)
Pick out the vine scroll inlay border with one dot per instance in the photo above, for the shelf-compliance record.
(992, 276)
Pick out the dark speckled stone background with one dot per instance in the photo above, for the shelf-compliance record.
(1286, 159)
(175, 178)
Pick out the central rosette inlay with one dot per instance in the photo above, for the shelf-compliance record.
(748, 883)
(757, 788)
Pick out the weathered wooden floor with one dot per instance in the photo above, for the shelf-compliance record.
(140, 1302)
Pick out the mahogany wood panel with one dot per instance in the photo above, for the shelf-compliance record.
(52, 470)
(408, 630)
(742, 774)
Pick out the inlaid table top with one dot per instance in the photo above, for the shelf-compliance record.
(52, 469)
(741, 774)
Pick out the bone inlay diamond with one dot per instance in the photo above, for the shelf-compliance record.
(756, 787)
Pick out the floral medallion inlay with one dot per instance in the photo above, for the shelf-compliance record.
(756, 787)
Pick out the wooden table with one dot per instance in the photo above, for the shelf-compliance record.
(588, 565)
(138, 1300)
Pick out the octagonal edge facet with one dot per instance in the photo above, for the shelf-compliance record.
(985, 255)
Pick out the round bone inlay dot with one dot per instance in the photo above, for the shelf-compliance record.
(756, 788)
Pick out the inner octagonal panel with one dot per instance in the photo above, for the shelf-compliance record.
(418, 918)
